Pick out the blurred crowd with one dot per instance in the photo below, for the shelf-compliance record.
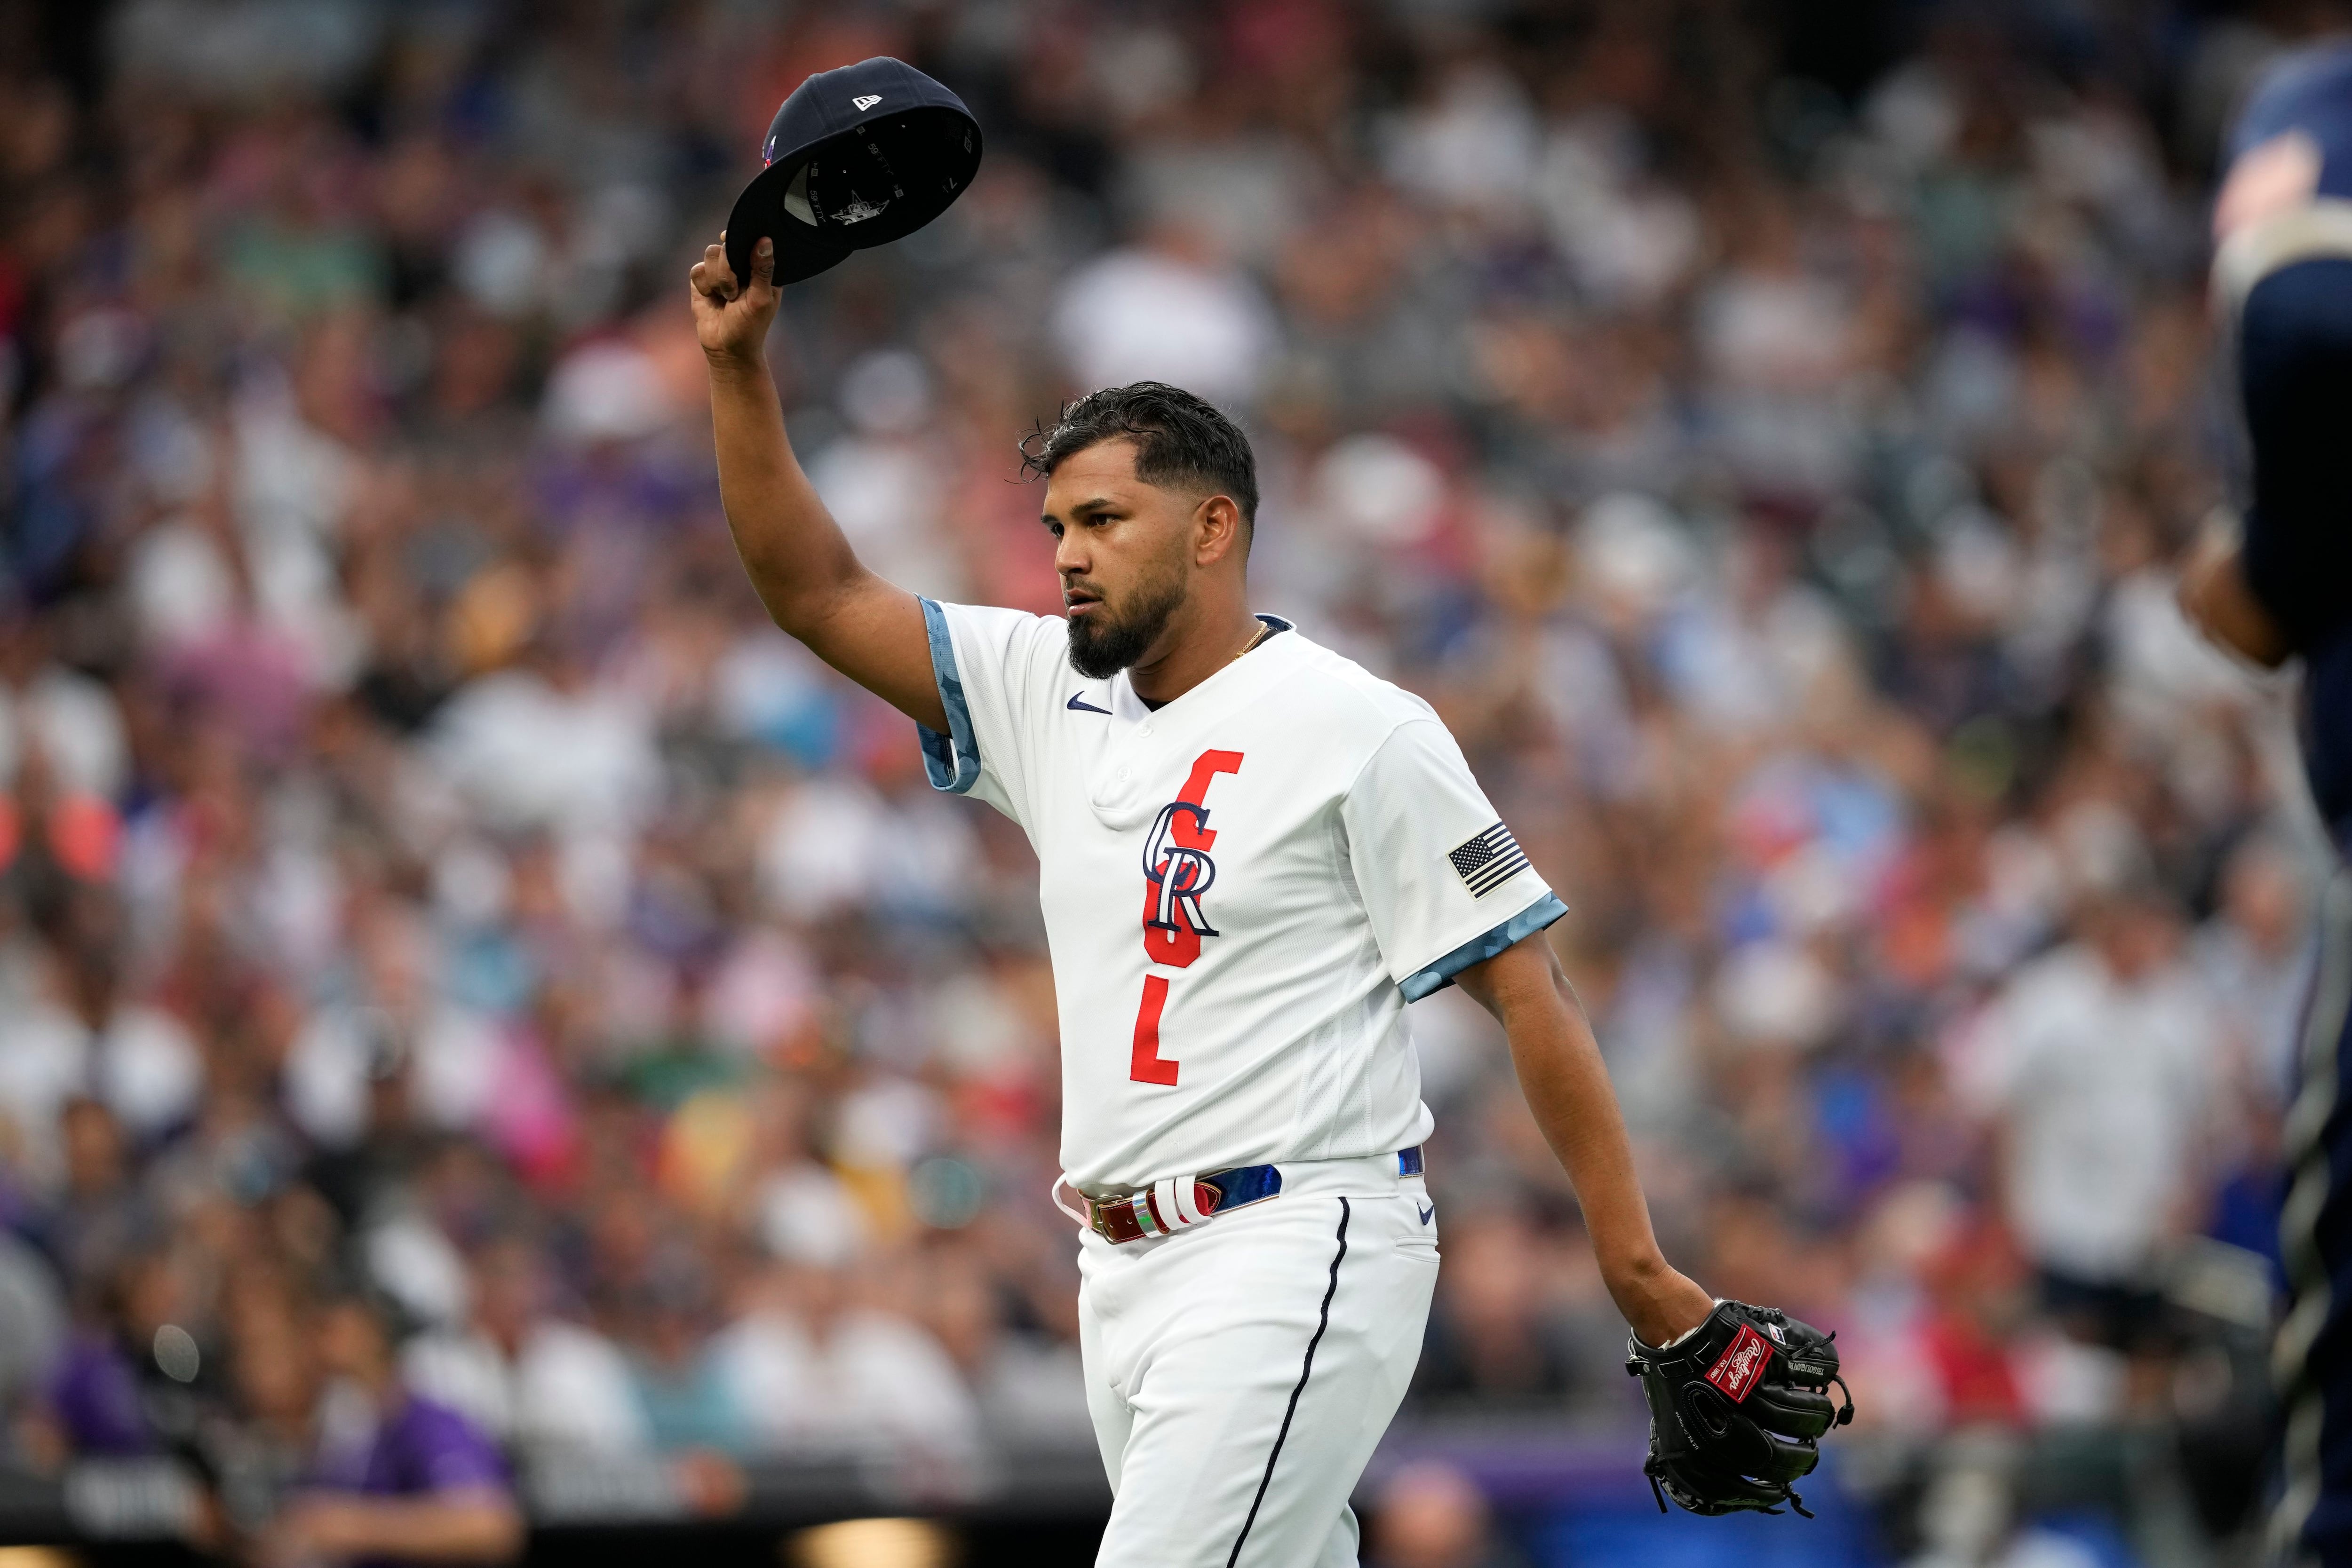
(427, 875)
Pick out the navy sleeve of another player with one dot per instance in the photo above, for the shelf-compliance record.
(2310, 90)
(2295, 368)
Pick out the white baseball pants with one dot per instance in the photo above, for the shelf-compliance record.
(1240, 1373)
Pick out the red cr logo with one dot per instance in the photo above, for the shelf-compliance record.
(1177, 871)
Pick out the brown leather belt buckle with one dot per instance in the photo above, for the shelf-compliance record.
(1115, 1220)
(1134, 1218)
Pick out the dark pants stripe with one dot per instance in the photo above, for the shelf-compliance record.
(1322, 1321)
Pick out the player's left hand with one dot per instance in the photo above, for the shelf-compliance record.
(1738, 1408)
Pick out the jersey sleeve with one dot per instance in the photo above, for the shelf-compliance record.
(1445, 883)
(991, 665)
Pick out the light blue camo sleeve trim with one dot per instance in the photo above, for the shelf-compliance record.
(1478, 949)
(951, 761)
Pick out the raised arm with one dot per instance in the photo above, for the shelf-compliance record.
(1560, 1071)
(806, 573)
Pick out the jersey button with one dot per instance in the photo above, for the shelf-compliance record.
(1120, 776)
(1146, 729)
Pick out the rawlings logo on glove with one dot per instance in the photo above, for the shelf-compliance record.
(1737, 1408)
(1737, 1370)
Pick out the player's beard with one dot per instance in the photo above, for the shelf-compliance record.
(1103, 644)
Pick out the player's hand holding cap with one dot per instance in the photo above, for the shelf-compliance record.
(856, 157)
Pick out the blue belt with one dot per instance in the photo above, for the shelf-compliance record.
(1254, 1184)
(1135, 1217)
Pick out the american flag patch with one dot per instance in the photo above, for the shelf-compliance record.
(1488, 861)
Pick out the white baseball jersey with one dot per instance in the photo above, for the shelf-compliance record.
(1242, 890)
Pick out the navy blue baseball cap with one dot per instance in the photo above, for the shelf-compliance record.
(856, 158)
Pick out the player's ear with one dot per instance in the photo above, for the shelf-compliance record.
(1217, 529)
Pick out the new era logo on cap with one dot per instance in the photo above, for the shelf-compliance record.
(1488, 861)
(869, 101)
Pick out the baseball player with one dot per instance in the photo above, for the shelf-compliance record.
(2281, 590)
(1253, 856)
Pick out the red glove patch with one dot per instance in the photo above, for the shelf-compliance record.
(1737, 1370)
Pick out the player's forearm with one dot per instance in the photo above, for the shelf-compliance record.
(794, 552)
(812, 584)
(799, 563)
(1567, 1087)
(2217, 598)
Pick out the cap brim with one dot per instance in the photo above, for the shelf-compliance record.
(801, 249)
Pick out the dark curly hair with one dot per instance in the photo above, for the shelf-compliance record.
(1179, 439)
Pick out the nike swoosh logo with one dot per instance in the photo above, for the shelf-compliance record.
(1425, 1213)
(1082, 706)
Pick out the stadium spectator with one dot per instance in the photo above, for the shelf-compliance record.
(2105, 1061)
(395, 1476)
(98, 1397)
(1430, 1515)
(825, 1366)
(539, 1383)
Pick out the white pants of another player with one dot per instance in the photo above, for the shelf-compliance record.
(1240, 1373)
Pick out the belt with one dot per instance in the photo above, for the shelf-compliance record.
(1179, 1203)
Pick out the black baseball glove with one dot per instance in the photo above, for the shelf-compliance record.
(1736, 1407)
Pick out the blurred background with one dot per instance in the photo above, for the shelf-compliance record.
(1762, 429)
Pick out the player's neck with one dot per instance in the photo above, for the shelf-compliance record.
(1195, 648)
